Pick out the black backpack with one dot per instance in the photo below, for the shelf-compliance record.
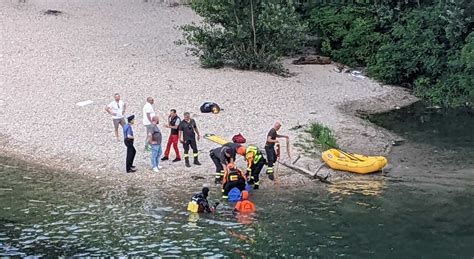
(209, 107)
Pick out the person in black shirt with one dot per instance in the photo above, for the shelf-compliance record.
(222, 156)
(187, 135)
(270, 148)
(173, 123)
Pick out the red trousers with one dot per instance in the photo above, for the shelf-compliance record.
(173, 139)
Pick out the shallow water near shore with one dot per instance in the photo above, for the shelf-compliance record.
(51, 213)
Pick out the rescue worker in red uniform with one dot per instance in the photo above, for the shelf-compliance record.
(233, 177)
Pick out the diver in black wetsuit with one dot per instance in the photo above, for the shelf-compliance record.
(201, 200)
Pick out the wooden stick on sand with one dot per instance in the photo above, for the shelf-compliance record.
(307, 172)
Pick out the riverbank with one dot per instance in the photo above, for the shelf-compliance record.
(95, 49)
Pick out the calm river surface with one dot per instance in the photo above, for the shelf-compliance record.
(422, 208)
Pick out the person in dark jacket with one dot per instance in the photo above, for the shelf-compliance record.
(128, 140)
(222, 156)
(187, 135)
(239, 148)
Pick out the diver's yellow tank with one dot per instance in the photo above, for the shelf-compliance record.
(193, 206)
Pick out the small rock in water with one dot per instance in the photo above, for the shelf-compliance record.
(52, 12)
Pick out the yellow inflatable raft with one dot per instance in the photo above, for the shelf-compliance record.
(353, 162)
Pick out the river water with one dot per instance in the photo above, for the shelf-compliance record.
(422, 208)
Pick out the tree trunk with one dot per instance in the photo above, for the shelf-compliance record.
(253, 28)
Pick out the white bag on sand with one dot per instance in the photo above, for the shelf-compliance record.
(84, 103)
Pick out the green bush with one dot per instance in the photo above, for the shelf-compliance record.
(247, 34)
(424, 44)
(421, 44)
(456, 86)
(349, 33)
(322, 136)
(416, 48)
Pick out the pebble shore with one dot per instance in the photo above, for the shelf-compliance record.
(94, 49)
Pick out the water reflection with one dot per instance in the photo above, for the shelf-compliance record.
(369, 187)
(44, 213)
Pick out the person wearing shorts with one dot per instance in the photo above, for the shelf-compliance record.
(117, 109)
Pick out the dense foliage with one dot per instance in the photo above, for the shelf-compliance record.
(427, 45)
(247, 34)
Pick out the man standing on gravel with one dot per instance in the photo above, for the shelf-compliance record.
(148, 114)
(154, 139)
(117, 109)
(128, 139)
(173, 123)
(270, 148)
(187, 135)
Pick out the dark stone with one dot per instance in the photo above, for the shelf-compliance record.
(52, 12)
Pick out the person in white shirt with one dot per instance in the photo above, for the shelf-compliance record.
(148, 114)
(117, 109)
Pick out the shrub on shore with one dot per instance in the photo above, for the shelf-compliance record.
(426, 46)
(247, 34)
(322, 137)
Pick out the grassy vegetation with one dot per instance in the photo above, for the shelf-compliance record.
(322, 136)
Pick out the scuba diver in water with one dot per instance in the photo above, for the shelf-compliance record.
(200, 204)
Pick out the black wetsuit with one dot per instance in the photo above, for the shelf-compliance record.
(201, 200)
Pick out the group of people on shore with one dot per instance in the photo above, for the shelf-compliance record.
(186, 131)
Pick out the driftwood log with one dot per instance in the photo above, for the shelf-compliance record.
(316, 60)
(306, 172)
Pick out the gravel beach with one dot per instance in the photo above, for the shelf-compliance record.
(97, 48)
